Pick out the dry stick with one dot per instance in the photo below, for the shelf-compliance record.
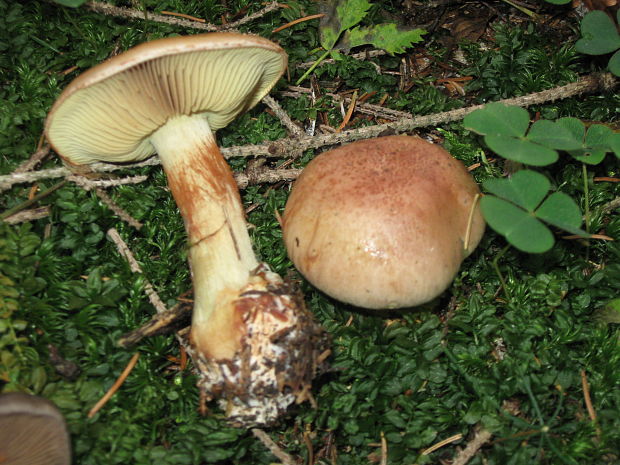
(297, 21)
(183, 15)
(117, 384)
(129, 13)
(481, 437)
(440, 444)
(259, 14)
(384, 450)
(283, 147)
(134, 266)
(348, 114)
(159, 321)
(365, 108)
(105, 183)
(28, 215)
(282, 456)
(612, 205)
(87, 184)
(34, 159)
(283, 116)
(589, 406)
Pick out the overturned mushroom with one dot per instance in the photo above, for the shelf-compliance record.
(32, 431)
(382, 223)
(251, 337)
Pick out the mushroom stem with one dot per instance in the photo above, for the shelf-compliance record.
(220, 251)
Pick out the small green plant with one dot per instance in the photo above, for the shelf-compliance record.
(599, 36)
(341, 30)
(518, 207)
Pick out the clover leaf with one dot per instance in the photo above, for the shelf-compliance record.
(591, 145)
(520, 206)
(600, 36)
(504, 129)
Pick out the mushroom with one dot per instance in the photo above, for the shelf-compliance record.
(32, 431)
(249, 329)
(382, 223)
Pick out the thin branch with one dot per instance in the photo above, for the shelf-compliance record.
(130, 13)
(266, 176)
(28, 215)
(88, 185)
(134, 266)
(612, 205)
(115, 387)
(365, 108)
(282, 148)
(283, 116)
(442, 443)
(588, 400)
(105, 183)
(34, 159)
(160, 321)
(481, 437)
(282, 456)
(259, 14)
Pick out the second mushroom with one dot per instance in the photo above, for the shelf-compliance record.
(254, 343)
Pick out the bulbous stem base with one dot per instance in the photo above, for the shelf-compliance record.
(282, 350)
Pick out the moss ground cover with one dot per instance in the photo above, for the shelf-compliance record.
(508, 358)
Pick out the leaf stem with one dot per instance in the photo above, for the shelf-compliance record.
(312, 68)
(35, 199)
(586, 193)
(499, 273)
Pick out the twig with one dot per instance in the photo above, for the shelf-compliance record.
(32, 201)
(480, 438)
(129, 13)
(259, 14)
(34, 159)
(283, 147)
(348, 114)
(105, 183)
(612, 205)
(28, 215)
(365, 108)
(440, 444)
(134, 266)
(384, 450)
(283, 116)
(282, 456)
(87, 184)
(117, 384)
(158, 322)
(183, 15)
(588, 400)
(297, 21)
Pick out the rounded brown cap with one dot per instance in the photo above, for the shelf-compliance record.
(382, 223)
(109, 112)
(32, 431)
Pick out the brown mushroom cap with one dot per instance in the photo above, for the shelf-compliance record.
(32, 431)
(381, 223)
(109, 112)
